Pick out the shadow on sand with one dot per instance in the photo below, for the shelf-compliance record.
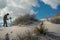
(53, 36)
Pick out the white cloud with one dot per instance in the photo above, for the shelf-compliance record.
(52, 3)
(2, 3)
(17, 7)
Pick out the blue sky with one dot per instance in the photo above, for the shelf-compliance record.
(45, 10)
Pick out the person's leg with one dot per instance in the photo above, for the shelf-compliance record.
(6, 24)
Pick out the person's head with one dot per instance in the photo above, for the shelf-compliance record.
(7, 14)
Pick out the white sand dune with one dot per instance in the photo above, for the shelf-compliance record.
(54, 30)
(14, 31)
(52, 27)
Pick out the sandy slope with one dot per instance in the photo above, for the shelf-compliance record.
(54, 30)
(14, 31)
(52, 27)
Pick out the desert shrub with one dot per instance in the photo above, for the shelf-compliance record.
(56, 18)
(7, 36)
(26, 36)
(26, 19)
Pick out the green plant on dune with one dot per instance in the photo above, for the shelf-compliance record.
(42, 29)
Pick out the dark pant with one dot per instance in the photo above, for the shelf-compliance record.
(5, 24)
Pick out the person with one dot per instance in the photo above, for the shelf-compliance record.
(5, 20)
